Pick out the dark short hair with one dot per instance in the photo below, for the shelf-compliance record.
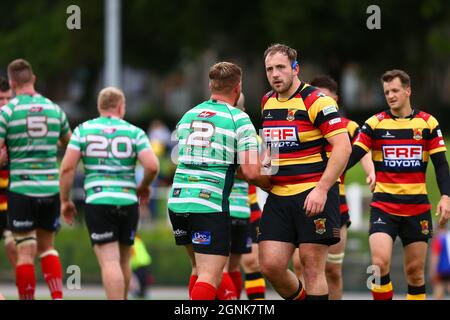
(4, 84)
(20, 71)
(390, 75)
(324, 81)
(283, 49)
(224, 76)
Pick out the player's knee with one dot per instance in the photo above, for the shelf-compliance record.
(312, 273)
(415, 272)
(250, 265)
(333, 272)
(381, 262)
(270, 268)
(26, 239)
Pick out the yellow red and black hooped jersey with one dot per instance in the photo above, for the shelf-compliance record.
(401, 149)
(296, 131)
(255, 210)
(353, 131)
(4, 181)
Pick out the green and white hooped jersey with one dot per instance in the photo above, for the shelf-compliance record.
(210, 136)
(239, 204)
(109, 147)
(31, 126)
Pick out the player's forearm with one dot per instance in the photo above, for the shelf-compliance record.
(355, 156)
(367, 163)
(263, 182)
(150, 164)
(442, 172)
(149, 176)
(335, 166)
(66, 179)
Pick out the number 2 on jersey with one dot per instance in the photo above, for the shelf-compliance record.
(201, 134)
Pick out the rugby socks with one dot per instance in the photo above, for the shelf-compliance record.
(300, 294)
(203, 291)
(236, 277)
(52, 271)
(416, 293)
(384, 291)
(25, 281)
(192, 281)
(226, 290)
(255, 286)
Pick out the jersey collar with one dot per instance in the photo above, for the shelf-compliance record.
(300, 88)
(411, 116)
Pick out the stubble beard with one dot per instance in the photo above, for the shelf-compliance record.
(285, 88)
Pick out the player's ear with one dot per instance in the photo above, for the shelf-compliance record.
(408, 91)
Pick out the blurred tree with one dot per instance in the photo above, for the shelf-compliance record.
(160, 35)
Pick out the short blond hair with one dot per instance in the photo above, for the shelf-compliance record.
(110, 98)
(224, 76)
(20, 71)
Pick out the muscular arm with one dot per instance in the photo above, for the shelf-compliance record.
(64, 140)
(67, 175)
(355, 156)
(250, 169)
(316, 199)
(369, 169)
(150, 163)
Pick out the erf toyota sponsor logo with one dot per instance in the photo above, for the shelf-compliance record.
(281, 136)
(402, 155)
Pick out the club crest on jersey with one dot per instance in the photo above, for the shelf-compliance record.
(36, 109)
(417, 134)
(425, 227)
(109, 130)
(320, 225)
(206, 114)
(291, 115)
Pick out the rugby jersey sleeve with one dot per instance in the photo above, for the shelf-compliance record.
(65, 128)
(435, 142)
(365, 136)
(75, 140)
(245, 133)
(5, 115)
(353, 130)
(323, 113)
(142, 142)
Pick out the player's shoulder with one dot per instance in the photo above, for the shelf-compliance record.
(313, 97)
(266, 97)
(377, 118)
(425, 116)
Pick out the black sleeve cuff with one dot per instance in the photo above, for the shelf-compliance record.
(442, 172)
